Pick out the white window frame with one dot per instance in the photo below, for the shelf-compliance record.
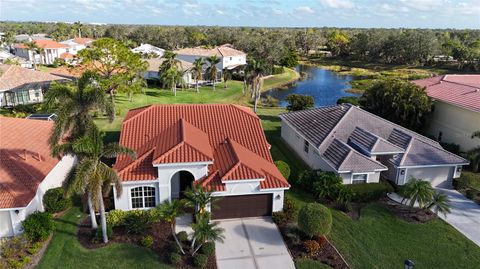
(356, 174)
(143, 196)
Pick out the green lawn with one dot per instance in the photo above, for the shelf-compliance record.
(66, 252)
(310, 264)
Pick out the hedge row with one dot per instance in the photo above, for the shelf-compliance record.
(370, 191)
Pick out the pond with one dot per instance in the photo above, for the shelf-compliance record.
(325, 86)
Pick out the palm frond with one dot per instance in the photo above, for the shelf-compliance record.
(113, 150)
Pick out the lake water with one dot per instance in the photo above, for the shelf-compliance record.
(325, 86)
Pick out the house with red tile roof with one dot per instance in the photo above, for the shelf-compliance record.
(51, 51)
(21, 86)
(456, 112)
(221, 147)
(27, 170)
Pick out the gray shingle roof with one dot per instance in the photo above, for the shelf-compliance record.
(322, 126)
(371, 143)
(345, 159)
(316, 124)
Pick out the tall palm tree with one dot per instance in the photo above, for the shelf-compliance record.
(33, 47)
(418, 191)
(255, 72)
(199, 198)
(169, 211)
(474, 154)
(227, 74)
(212, 68)
(93, 174)
(78, 27)
(170, 77)
(198, 71)
(74, 104)
(440, 204)
(205, 231)
(169, 61)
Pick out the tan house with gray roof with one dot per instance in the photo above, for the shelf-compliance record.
(362, 147)
(230, 58)
(21, 86)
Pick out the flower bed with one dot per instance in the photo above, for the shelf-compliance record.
(163, 242)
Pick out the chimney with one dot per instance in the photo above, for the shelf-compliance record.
(25, 154)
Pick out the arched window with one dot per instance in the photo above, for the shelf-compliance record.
(143, 197)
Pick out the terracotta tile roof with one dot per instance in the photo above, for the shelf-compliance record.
(13, 76)
(44, 44)
(230, 136)
(25, 162)
(67, 72)
(225, 50)
(67, 55)
(83, 40)
(459, 90)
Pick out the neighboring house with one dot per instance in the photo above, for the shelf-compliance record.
(21, 86)
(456, 112)
(361, 147)
(27, 170)
(6, 56)
(24, 37)
(77, 44)
(230, 58)
(220, 147)
(147, 49)
(154, 66)
(51, 51)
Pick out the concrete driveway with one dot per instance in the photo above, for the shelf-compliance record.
(252, 243)
(464, 215)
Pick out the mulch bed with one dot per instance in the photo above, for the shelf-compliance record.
(327, 254)
(407, 213)
(162, 242)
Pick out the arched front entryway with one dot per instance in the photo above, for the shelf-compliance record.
(181, 181)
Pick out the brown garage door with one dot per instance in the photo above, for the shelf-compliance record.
(242, 206)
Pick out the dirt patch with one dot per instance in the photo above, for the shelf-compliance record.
(162, 242)
(328, 254)
(406, 213)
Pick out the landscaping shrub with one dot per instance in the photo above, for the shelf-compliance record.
(280, 218)
(54, 200)
(208, 248)
(471, 194)
(174, 248)
(116, 217)
(200, 260)
(305, 180)
(182, 236)
(38, 226)
(98, 235)
(468, 180)
(175, 258)
(314, 220)
(137, 223)
(34, 248)
(312, 247)
(284, 168)
(147, 241)
(327, 185)
(368, 192)
(290, 209)
(298, 102)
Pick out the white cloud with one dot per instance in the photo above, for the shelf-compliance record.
(337, 3)
(305, 10)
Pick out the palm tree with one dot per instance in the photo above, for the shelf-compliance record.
(212, 68)
(440, 204)
(169, 211)
(169, 61)
(198, 71)
(170, 77)
(199, 198)
(33, 47)
(205, 231)
(78, 27)
(93, 174)
(474, 154)
(255, 74)
(74, 105)
(226, 76)
(418, 191)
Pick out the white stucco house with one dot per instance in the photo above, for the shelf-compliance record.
(77, 44)
(217, 146)
(21, 86)
(362, 147)
(456, 112)
(147, 49)
(52, 50)
(230, 58)
(27, 170)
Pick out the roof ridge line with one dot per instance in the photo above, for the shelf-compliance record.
(352, 150)
(169, 150)
(135, 160)
(146, 108)
(336, 125)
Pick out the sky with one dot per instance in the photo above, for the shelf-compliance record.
(266, 13)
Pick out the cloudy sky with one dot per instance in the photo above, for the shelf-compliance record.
(316, 13)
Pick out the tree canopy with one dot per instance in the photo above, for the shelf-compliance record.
(299, 102)
(399, 101)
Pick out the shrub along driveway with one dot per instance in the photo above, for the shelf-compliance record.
(464, 215)
(252, 243)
